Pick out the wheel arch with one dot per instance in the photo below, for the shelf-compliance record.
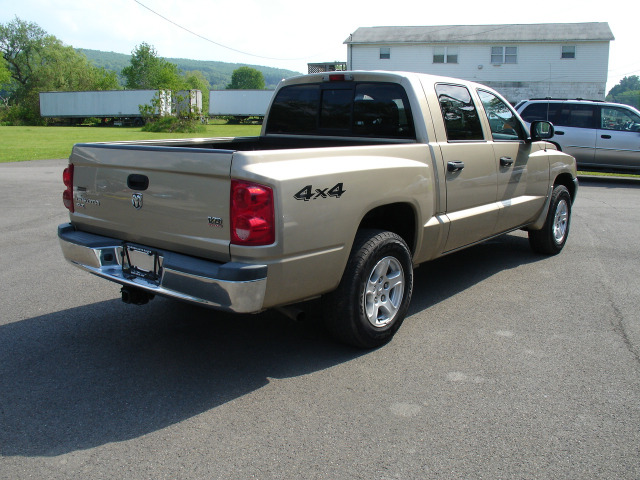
(568, 181)
(399, 218)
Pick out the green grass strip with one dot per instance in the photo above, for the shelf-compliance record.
(19, 144)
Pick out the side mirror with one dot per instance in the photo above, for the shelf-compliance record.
(541, 130)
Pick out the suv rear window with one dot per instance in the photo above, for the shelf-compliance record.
(342, 109)
(562, 114)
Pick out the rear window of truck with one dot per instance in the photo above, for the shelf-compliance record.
(342, 109)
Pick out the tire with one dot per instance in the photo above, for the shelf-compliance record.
(369, 305)
(550, 239)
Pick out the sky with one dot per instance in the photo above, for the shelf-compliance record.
(291, 33)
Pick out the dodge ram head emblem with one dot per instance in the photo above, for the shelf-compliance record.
(136, 201)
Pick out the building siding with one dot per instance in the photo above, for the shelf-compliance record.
(539, 72)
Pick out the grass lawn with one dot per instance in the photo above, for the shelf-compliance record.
(19, 144)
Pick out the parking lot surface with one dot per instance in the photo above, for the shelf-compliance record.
(510, 365)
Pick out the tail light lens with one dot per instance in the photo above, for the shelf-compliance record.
(252, 214)
(67, 195)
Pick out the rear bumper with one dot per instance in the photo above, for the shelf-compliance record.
(235, 287)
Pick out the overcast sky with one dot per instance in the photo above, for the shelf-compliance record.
(291, 33)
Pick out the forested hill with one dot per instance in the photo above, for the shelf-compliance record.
(217, 73)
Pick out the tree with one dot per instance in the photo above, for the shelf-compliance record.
(627, 91)
(5, 75)
(22, 44)
(148, 71)
(39, 62)
(627, 84)
(246, 78)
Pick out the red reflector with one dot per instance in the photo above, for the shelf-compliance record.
(67, 195)
(252, 214)
(67, 199)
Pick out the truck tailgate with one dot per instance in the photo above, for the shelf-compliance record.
(173, 198)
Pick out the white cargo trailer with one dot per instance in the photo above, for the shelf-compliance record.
(117, 104)
(239, 103)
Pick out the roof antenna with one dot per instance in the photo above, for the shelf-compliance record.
(549, 92)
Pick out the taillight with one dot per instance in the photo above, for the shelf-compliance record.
(252, 214)
(67, 195)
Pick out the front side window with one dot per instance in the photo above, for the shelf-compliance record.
(568, 51)
(445, 55)
(620, 119)
(500, 55)
(460, 115)
(385, 53)
(503, 122)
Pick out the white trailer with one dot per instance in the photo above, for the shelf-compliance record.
(239, 103)
(117, 104)
(188, 101)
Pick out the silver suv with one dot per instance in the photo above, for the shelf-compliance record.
(600, 135)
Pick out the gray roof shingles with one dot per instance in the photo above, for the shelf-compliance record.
(541, 32)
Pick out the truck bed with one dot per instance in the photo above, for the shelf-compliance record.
(269, 142)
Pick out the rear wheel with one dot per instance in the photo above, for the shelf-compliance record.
(372, 299)
(550, 239)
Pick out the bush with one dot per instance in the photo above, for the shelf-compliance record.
(174, 124)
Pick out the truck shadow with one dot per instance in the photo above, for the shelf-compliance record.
(110, 372)
(443, 278)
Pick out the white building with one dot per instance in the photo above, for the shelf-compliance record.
(561, 60)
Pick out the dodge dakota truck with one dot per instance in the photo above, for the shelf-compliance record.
(355, 179)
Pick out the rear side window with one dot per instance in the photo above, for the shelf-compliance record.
(579, 116)
(460, 115)
(541, 111)
(342, 109)
(562, 114)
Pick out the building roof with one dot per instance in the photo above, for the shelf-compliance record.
(541, 32)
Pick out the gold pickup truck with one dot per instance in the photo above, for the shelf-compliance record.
(356, 178)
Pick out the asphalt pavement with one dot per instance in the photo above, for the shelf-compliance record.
(510, 365)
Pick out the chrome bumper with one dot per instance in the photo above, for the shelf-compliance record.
(235, 287)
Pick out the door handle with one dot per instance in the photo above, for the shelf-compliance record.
(455, 166)
(558, 132)
(607, 137)
(506, 161)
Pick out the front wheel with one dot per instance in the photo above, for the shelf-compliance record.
(372, 299)
(550, 239)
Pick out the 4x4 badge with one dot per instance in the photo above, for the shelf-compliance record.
(136, 201)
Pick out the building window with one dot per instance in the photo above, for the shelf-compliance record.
(501, 55)
(385, 53)
(568, 51)
(445, 55)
